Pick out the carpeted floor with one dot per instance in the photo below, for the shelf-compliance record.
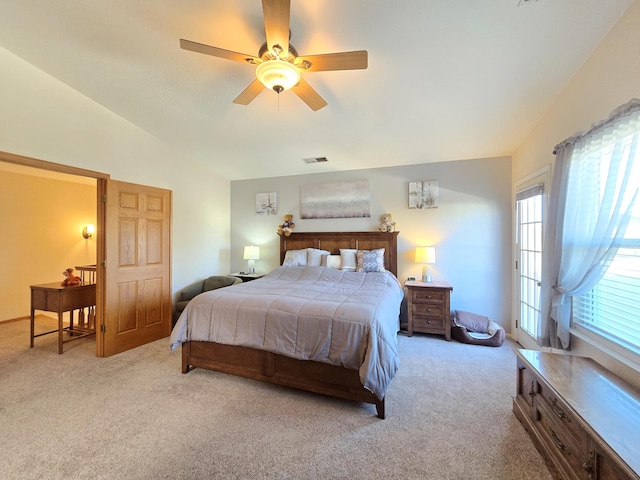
(135, 416)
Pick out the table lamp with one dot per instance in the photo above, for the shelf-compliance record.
(252, 254)
(426, 255)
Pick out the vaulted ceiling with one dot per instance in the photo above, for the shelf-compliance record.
(447, 79)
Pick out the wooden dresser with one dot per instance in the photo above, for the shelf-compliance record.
(584, 420)
(428, 307)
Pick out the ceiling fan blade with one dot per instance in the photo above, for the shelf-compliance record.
(309, 95)
(276, 23)
(356, 60)
(249, 93)
(219, 52)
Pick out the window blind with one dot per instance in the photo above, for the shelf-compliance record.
(530, 192)
(612, 307)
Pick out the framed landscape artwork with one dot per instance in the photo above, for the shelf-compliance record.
(336, 200)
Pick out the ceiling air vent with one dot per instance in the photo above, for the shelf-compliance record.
(315, 160)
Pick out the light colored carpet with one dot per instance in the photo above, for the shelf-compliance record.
(135, 416)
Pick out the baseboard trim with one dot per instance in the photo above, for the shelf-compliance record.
(27, 317)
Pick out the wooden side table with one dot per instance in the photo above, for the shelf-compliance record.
(52, 297)
(247, 277)
(428, 307)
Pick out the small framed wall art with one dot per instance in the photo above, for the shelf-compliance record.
(266, 203)
(425, 194)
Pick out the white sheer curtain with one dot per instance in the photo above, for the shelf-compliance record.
(589, 210)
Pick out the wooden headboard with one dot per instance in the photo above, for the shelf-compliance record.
(334, 241)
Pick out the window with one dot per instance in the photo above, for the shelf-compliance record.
(611, 309)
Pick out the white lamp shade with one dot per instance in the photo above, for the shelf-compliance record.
(278, 75)
(251, 253)
(425, 255)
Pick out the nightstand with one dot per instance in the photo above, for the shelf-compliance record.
(247, 277)
(428, 307)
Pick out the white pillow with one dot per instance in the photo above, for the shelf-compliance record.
(315, 256)
(295, 258)
(333, 261)
(348, 257)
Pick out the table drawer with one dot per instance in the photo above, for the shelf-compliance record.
(429, 296)
(569, 451)
(547, 398)
(434, 311)
(428, 324)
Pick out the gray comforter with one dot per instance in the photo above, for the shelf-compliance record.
(348, 319)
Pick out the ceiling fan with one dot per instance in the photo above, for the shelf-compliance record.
(278, 65)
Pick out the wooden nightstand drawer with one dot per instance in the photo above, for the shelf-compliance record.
(428, 324)
(427, 310)
(430, 296)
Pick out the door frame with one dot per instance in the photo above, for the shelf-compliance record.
(543, 176)
(101, 187)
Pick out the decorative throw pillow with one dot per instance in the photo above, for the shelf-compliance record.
(314, 257)
(295, 258)
(370, 260)
(348, 259)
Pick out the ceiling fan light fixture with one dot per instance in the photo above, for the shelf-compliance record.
(278, 75)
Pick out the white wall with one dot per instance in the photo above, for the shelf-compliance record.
(44, 119)
(470, 229)
(609, 78)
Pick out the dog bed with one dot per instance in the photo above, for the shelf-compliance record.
(476, 329)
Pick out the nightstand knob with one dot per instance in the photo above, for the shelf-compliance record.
(428, 296)
(429, 322)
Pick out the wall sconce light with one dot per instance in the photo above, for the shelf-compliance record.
(89, 230)
(426, 255)
(252, 254)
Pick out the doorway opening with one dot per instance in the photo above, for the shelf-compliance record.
(81, 250)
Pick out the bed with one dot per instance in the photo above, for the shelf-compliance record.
(311, 327)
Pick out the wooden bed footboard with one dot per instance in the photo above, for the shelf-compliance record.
(273, 368)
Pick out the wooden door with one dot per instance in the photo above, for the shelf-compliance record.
(137, 283)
